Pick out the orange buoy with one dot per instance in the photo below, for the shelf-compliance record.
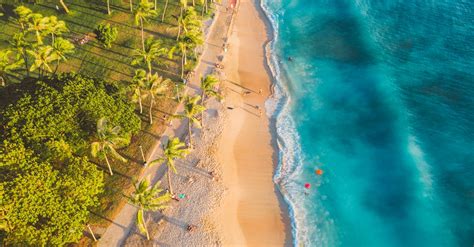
(319, 172)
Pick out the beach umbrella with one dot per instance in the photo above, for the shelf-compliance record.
(307, 185)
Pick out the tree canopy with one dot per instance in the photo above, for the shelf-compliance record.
(47, 182)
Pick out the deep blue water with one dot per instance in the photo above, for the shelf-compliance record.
(380, 96)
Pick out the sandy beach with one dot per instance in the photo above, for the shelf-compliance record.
(251, 213)
(227, 179)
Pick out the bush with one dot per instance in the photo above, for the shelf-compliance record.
(106, 34)
(47, 183)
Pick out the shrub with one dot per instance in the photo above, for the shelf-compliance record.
(106, 34)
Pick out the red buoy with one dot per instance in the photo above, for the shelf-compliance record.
(307, 185)
(319, 172)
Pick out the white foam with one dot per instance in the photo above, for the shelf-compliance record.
(288, 140)
(422, 166)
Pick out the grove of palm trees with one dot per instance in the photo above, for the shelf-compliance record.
(86, 89)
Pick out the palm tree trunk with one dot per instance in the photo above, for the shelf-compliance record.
(194, 4)
(2, 81)
(202, 113)
(64, 6)
(144, 226)
(57, 66)
(164, 11)
(143, 37)
(190, 134)
(182, 65)
(179, 22)
(108, 7)
(92, 233)
(108, 164)
(131, 6)
(185, 56)
(151, 110)
(149, 68)
(140, 103)
(169, 181)
(206, 6)
(52, 39)
(156, 4)
(143, 154)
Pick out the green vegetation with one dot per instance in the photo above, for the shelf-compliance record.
(49, 183)
(173, 150)
(66, 112)
(108, 139)
(192, 109)
(106, 34)
(208, 89)
(148, 198)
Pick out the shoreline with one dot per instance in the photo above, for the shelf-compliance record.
(250, 70)
(277, 105)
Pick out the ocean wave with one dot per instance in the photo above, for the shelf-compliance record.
(290, 154)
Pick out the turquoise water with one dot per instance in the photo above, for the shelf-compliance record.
(380, 96)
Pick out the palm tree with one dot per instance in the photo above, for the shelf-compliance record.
(174, 149)
(108, 139)
(154, 85)
(150, 53)
(181, 47)
(62, 47)
(148, 198)
(190, 40)
(189, 22)
(42, 59)
(64, 6)
(7, 65)
(164, 11)
(136, 87)
(39, 25)
(208, 85)
(24, 15)
(108, 7)
(21, 46)
(183, 4)
(55, 28)
(143, 12)
(204, 6)
(191, 110)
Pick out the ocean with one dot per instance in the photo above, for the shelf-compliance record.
(379, 96)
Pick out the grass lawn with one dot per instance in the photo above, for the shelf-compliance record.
(113, 64)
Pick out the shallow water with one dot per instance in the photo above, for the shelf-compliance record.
(380, 96)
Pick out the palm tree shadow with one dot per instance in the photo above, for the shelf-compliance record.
(107, 219)
(193, 168)
(175, 221)
(105, 169)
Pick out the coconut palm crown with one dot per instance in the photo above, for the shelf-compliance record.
(148, 198)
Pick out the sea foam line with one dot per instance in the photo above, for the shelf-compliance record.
(278, 107)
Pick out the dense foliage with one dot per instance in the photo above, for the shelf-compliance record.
(44, 203)
(47, 183)
(106, 34)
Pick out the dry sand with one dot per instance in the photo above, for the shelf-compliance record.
(252, 212)
(241, 206)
